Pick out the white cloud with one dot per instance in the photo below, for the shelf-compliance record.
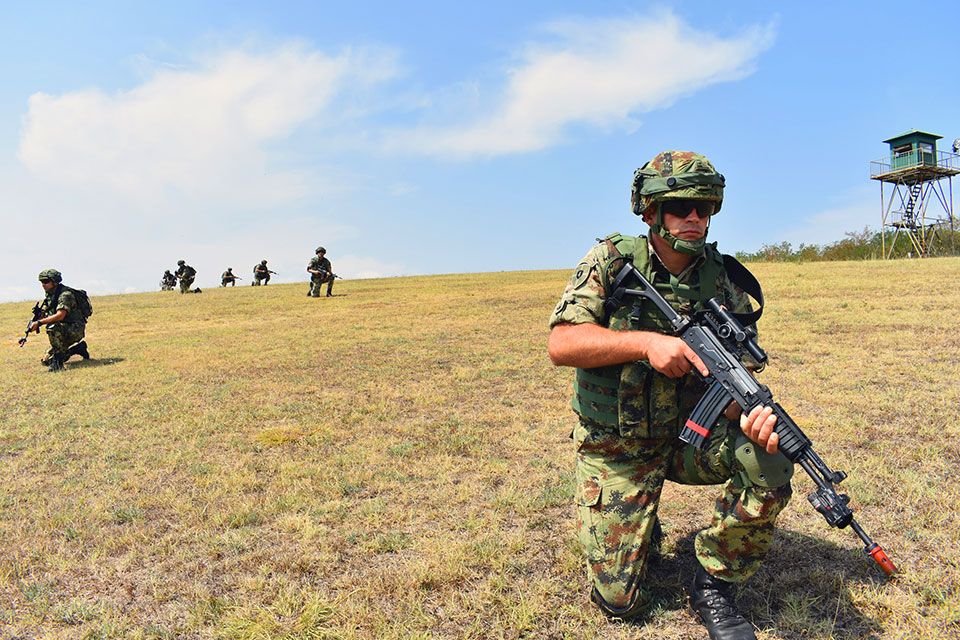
(194, 135)
(595, 72)
(191, 162)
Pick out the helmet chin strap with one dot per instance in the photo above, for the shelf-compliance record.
(689, 247)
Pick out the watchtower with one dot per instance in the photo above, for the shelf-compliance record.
(920, 176)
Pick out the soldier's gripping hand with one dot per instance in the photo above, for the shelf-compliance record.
(672, 357)
(758, 425)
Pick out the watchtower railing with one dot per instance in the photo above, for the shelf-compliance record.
(939, 161)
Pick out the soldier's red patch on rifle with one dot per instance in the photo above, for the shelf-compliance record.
(693, 425)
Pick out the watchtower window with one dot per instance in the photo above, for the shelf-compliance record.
(926, 147)
(902, 149)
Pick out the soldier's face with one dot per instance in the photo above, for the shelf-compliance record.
(48, 285)
(686, 227)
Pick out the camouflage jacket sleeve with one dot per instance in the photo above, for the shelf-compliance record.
(582, 300)
(67, 301)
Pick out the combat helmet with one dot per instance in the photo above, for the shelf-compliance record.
(50, 274)
(181, 262)
(320, 250)
(263, 262)
(676, 175)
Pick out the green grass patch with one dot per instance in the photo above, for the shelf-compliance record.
(395, 463)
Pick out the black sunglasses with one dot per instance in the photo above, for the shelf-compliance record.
(45, 281)
(682, 208)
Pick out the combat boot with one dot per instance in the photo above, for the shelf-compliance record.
(711, 602)
(56, 363)
(79, 349)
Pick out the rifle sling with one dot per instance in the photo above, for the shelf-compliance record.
(739, 275)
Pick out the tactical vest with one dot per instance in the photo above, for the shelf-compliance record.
(632, 397)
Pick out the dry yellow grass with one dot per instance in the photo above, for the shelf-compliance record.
(394, 462)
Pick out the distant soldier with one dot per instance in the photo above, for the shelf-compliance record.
(261, 275)
(64, 312)
(186, 275)
(167, 281)
(227, 278)
(321, 271)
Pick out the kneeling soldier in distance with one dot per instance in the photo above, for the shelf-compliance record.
(64, 312)
(227, 278)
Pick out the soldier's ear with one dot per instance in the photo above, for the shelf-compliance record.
(649, 214)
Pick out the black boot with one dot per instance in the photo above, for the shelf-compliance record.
(79, 349)
(711, 602)
(56, 363)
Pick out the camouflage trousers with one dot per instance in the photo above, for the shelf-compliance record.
(619, 482)
(260, 280)
(63, 336)
(317, 283)
(228, 282)
(185, 284)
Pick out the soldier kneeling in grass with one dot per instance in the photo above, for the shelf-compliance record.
(64, 312)
(636, 384)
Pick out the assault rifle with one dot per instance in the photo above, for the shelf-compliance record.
(719, 339)
(37, 314)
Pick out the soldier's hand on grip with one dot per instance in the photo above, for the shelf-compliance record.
(758, 426)
(672, 357)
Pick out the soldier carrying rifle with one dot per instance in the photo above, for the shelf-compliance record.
(228, 279)
(186, 275)
(64, 312)
(321, 271)
(634, 388)
(261, 274)
(167, 281)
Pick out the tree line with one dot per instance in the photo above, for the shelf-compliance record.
(857, 245)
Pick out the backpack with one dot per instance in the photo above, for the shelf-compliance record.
(83, 302)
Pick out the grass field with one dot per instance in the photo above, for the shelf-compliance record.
(394, 462)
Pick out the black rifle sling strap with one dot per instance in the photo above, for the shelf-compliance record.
(739, 275)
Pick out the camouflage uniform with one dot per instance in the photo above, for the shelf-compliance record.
(317, 280)
(261, 275)
(70, 330)
(187, 275)
(623, 461)
(227, 278)
(168, 281)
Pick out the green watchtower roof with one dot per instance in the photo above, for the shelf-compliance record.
(913, 134)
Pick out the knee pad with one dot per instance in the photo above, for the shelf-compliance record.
(762, 469)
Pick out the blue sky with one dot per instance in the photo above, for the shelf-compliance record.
(416, 138)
